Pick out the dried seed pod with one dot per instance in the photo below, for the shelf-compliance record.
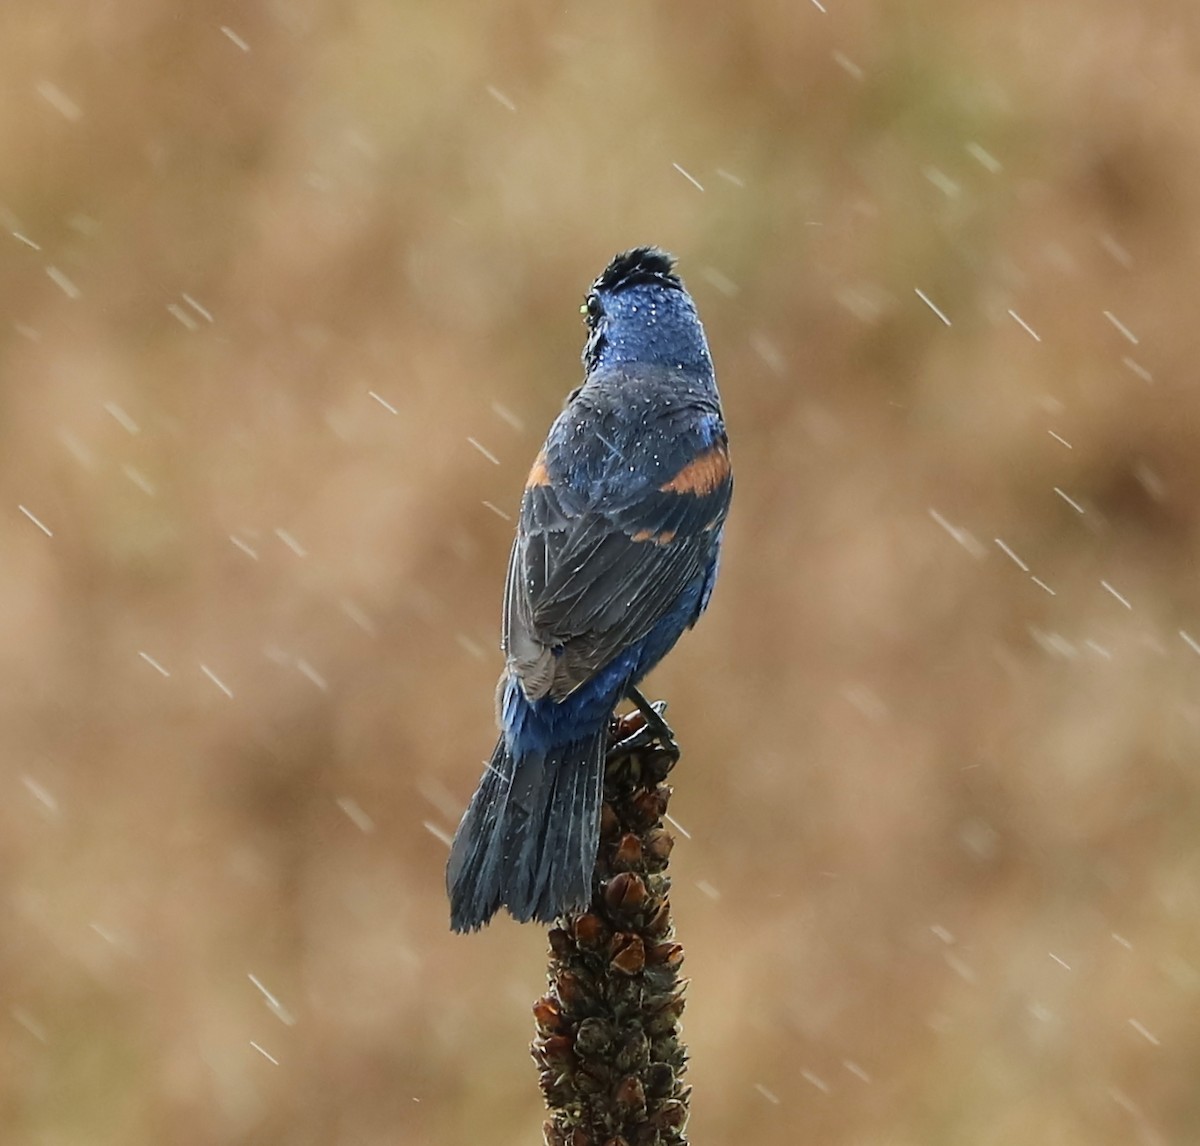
(547, 1014)
(659, 1079)
(630, 1093)
(590, 931)
(625, 726)
(570, 990)
(634, 1054)
(560, 942)
(610, 823)
(664, 1023)
(593, 1037)
(658, 843)
(629, 853)
(671, 1115)
(554, 1050)
(670, 954)
(659, 922)
(644, 810)
(629, 954)
(625, 893)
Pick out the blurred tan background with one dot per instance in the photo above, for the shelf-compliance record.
(270, 269)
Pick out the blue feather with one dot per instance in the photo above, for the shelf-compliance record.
(616, 555)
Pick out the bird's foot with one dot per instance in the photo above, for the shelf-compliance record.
(652, 729)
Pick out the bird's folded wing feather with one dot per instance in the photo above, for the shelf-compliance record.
(586, 582)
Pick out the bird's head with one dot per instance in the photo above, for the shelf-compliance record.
(638, 311)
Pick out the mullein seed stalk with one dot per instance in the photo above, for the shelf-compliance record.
(608, 1046)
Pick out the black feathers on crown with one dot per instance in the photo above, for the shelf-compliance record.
(640, 265)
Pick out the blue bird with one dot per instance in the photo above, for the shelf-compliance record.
(615, 556)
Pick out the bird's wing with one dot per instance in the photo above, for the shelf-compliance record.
(586, 582)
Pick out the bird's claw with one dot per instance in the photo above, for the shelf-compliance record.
(653, 728)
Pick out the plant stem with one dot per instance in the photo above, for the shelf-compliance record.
(608, 1049)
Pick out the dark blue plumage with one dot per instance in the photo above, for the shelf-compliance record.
(615, 556)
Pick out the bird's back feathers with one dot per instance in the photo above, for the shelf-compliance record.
(636, 486)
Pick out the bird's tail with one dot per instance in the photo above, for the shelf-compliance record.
(528, 839)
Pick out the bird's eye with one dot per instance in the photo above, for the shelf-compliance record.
(592, 308)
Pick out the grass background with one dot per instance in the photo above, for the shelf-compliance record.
(942, 882)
